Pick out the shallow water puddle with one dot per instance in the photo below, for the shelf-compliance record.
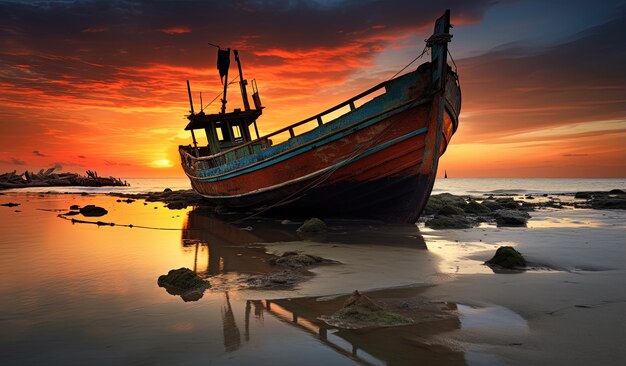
(490, 319)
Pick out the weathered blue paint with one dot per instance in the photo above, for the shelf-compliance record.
(335, 166)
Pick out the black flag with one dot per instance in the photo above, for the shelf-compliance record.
(223, 62)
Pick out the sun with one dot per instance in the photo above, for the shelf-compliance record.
(161, 163)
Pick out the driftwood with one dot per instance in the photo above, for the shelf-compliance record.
(49, 179)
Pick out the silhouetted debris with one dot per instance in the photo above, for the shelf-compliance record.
(507, 257)
(10, 204)
(74, 207)
(174, 200)
(93, 211)
(49, 179)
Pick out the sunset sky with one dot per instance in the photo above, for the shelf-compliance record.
(101, 84)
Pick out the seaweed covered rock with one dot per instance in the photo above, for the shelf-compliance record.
(511, 217)
(583, 195)
(184, 283)
(474, 207)
(359, 311)
(508, 202)
(492, 205)
(449, 210)
(93, 211)
(449, 222)
(286, 278)
(298, 260)
(609, 203)
(437, 201)
(507, 257)
(617, 191)
(313, 225)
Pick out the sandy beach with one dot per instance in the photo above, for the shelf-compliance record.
(77, 293)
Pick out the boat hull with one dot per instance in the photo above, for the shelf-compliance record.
(375, 169)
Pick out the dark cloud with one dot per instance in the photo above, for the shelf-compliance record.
(16, 161)
(37, 153)
(513, 90)
(60, 164)
(575, 155)
(93, 51)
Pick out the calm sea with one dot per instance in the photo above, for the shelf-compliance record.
(465, 186)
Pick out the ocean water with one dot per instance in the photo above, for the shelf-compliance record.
(459, 186)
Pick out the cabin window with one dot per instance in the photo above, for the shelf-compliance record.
(236, 132)
(220, 136)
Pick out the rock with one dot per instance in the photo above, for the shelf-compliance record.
(74, 207)
(71, 213)
(449, 222)
(608, 204)
(359, 311)
(167, 190)
(93, 211)
(507, 257)
(356, 299)
(313, 225)
(10, 204)
(448, 210)
(280, 279)
(177, 205)
(582, 195)
(508, 202)
(184, 283)
(616, 191)
(474, 207)
(492, 205)
(511, 218)
(437, 201)
(299, 260)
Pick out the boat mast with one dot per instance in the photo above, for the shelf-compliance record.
(242, 83)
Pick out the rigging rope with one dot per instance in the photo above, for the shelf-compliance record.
(217, 96)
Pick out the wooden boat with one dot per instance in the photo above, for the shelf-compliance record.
(376, 160)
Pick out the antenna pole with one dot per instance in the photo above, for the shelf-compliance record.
(190, 100)
(242, 83)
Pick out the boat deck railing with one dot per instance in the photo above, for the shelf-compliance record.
(263, 142)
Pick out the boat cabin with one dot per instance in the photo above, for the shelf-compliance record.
(225, 130)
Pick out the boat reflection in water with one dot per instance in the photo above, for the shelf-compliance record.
(222, 248)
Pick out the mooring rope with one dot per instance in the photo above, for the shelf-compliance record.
(102, 223)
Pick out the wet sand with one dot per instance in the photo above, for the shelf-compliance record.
(76, 293)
